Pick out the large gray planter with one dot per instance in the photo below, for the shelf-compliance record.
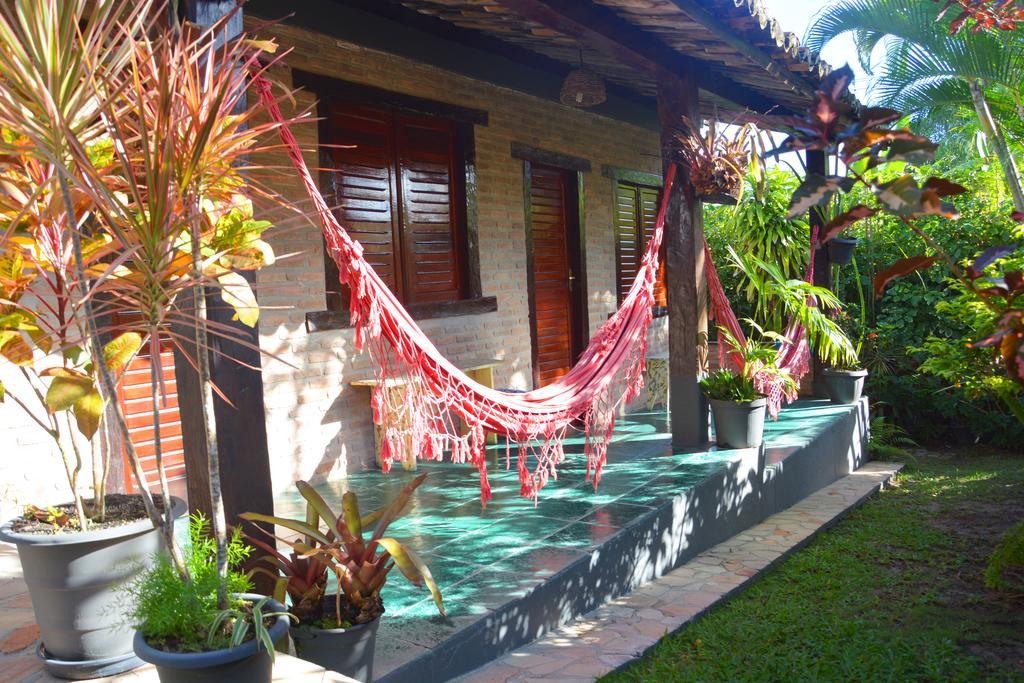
(347, 651)
(248, 663)
(845, 386)
(74, 580)
(739, 425)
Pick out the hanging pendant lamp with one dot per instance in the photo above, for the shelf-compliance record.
(583, 88)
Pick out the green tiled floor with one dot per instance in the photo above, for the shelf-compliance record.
(482, 558)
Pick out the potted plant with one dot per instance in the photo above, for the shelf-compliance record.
(339, 632)
(737, 406)
(119, 195)
(845, 381)
(716, 161)
(185, 631)
(835, 235)
(841, 250)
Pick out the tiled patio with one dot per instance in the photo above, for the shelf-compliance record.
(515, 571)
(485, 558)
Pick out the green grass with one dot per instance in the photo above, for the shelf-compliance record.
(893, 593)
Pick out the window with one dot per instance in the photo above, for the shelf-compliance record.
(636, 210)
(398, 182)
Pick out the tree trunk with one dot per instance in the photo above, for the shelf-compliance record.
(991, 130)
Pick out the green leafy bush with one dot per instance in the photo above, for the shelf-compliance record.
(725, 385)
(182, 616)
(1006, 558)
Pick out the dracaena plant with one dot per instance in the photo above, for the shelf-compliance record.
(133, 147)
(864, 141)
(337, 543)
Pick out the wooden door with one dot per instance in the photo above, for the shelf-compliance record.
(135, 394)
(557, 325)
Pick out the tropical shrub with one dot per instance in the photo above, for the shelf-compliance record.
(759, 228)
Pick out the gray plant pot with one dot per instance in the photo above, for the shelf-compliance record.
(73, 580)
(347, 651)
(841, 250)
(739, 425)
(845, 386)
(247, 663)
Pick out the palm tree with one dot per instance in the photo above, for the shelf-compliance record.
(930, 74)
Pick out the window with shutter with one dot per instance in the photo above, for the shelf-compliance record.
(397, 185)
(636, 211)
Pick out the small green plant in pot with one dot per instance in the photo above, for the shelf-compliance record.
(737, 406)
(339, 631)
(845, 381)
(187, 634)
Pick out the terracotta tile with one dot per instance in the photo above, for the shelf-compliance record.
(19, 639)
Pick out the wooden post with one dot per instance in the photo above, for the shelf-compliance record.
(822, 267)
(235, 366)
(684, 271)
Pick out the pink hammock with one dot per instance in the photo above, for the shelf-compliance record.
(427, 393)
(420, 394)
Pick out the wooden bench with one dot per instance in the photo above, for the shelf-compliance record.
(480, 370)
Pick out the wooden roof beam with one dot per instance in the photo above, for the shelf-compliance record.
(603, 30)
(728, 36)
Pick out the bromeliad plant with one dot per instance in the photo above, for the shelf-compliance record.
(335, 543)
(717, 160)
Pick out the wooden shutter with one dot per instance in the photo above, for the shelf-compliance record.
(431, 240)
(365, 185)
(648, 212)
(636, 212)
(627, 238)
(136, 395)
(397, 190)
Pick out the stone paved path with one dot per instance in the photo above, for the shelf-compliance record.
(610, 636)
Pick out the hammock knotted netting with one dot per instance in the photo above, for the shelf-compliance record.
(420, 396)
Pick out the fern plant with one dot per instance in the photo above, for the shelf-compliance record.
(802, 302)
(182, 615)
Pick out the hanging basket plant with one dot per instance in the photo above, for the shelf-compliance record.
(716, 160)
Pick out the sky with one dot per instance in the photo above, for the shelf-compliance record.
(796, 15)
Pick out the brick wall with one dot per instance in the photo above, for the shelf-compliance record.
(319, 426)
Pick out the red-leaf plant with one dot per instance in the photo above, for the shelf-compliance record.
(360, 566)
(863, 141)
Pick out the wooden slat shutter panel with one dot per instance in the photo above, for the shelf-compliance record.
(636, 212)
(136, 396)
(648, 213)
(431, 239)
(627, 242)
(365, 185)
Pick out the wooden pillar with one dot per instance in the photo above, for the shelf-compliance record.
(235, 366)
(684, 271)
(822, 267)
